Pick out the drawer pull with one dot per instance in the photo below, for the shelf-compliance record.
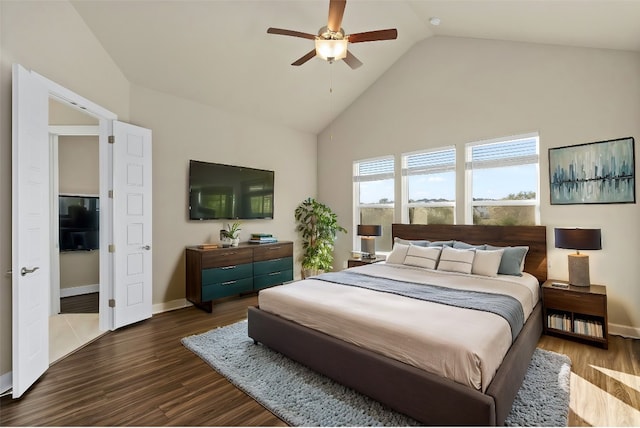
(274, 248)
(228, 283)
(229, 254)
(229, 267)
(274, 273)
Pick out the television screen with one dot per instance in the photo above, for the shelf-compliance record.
(218, 191)
(79, 220)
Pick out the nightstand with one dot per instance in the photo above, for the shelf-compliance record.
(576, 312)
(361, 262)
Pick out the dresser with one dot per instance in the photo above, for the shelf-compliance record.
(214, 273)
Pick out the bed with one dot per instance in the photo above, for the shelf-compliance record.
(400, 381)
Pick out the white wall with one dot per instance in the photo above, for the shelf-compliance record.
(451, 91)
(184, 130)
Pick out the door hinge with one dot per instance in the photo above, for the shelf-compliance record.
(111, 194)
(112, 303)
(112, 139)
(112, 248)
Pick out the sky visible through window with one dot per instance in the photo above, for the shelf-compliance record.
(491, 183)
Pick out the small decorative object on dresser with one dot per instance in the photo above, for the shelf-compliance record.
(575, 312)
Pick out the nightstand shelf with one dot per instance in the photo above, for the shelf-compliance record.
(576, 312)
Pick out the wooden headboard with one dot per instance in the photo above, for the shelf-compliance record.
(535, 237)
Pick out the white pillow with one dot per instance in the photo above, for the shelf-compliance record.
(454, 260)
(487, 262)
(398, 254)
(425, 257)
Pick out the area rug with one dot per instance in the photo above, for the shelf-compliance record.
(302, 397)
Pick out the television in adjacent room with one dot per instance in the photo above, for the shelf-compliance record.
(218, 191)
(79, 220)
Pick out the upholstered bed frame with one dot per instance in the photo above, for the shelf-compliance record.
(428, 398)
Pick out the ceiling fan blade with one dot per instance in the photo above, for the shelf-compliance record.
(352, 61)
(305, 58)
(336, 12)
(372, 36)
(283, 32)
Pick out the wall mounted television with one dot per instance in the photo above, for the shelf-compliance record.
(218, 191)
(79, 221)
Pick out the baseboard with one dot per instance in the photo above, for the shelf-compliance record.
(170, 306)
(77, 291)
(624, 331)
(6, 382)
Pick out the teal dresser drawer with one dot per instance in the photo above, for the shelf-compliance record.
(273, 278)
(227, 273)
(275, 265)
(227, 288)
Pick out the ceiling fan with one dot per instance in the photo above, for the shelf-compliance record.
(331, 41)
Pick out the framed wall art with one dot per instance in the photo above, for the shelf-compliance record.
(594, 173)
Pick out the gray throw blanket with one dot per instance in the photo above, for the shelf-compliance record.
(506, 306)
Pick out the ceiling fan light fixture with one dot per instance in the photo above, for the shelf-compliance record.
(331, 49)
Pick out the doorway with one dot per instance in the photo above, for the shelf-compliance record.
(125, 221)
(75, 243)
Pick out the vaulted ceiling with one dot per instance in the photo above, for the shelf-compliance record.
(218, 53)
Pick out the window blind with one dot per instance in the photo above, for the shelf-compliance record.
(430, 162)
(505, 153)
(374, 170)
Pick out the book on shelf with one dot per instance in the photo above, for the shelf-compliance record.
(588, 327)
(559, 322)
(262, 240)
(261, 235)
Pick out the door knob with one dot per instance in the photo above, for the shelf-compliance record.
(146, 247)
(25, 271)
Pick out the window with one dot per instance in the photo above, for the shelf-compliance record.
(502, 181)
(373, 195)
(429, 187)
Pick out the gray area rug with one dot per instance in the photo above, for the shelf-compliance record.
(302, 397)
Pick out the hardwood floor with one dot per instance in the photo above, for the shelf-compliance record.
(141, 375)
(82, 304)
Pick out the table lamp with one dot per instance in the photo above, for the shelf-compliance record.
(368, 233)
(578, 239)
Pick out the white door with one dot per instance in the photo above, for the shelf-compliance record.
(131, 224)
(30, 230)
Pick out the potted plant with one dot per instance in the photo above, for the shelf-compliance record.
(319, 226)
(232, 233)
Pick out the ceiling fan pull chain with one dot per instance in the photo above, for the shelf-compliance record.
(331, 99)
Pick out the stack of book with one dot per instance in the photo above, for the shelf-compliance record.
(588, 327)
(262, 238)
(559, 322)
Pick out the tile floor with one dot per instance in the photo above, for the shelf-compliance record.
(68, 332)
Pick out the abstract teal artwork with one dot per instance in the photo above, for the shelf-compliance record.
(594, 173)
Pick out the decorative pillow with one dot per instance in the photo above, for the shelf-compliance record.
(398, 254)
(512, 262)
(426, 257)
(464, 246)
(408, 242)
(441, 244)
(487, 262)
(454, 260)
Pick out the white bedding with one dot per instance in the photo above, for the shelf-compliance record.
(461, 344)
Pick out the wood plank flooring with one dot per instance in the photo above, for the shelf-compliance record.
(141, 375)
(81, 304)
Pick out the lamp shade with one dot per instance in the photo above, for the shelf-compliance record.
(369, 230)
(578, 239)
(331, 49)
